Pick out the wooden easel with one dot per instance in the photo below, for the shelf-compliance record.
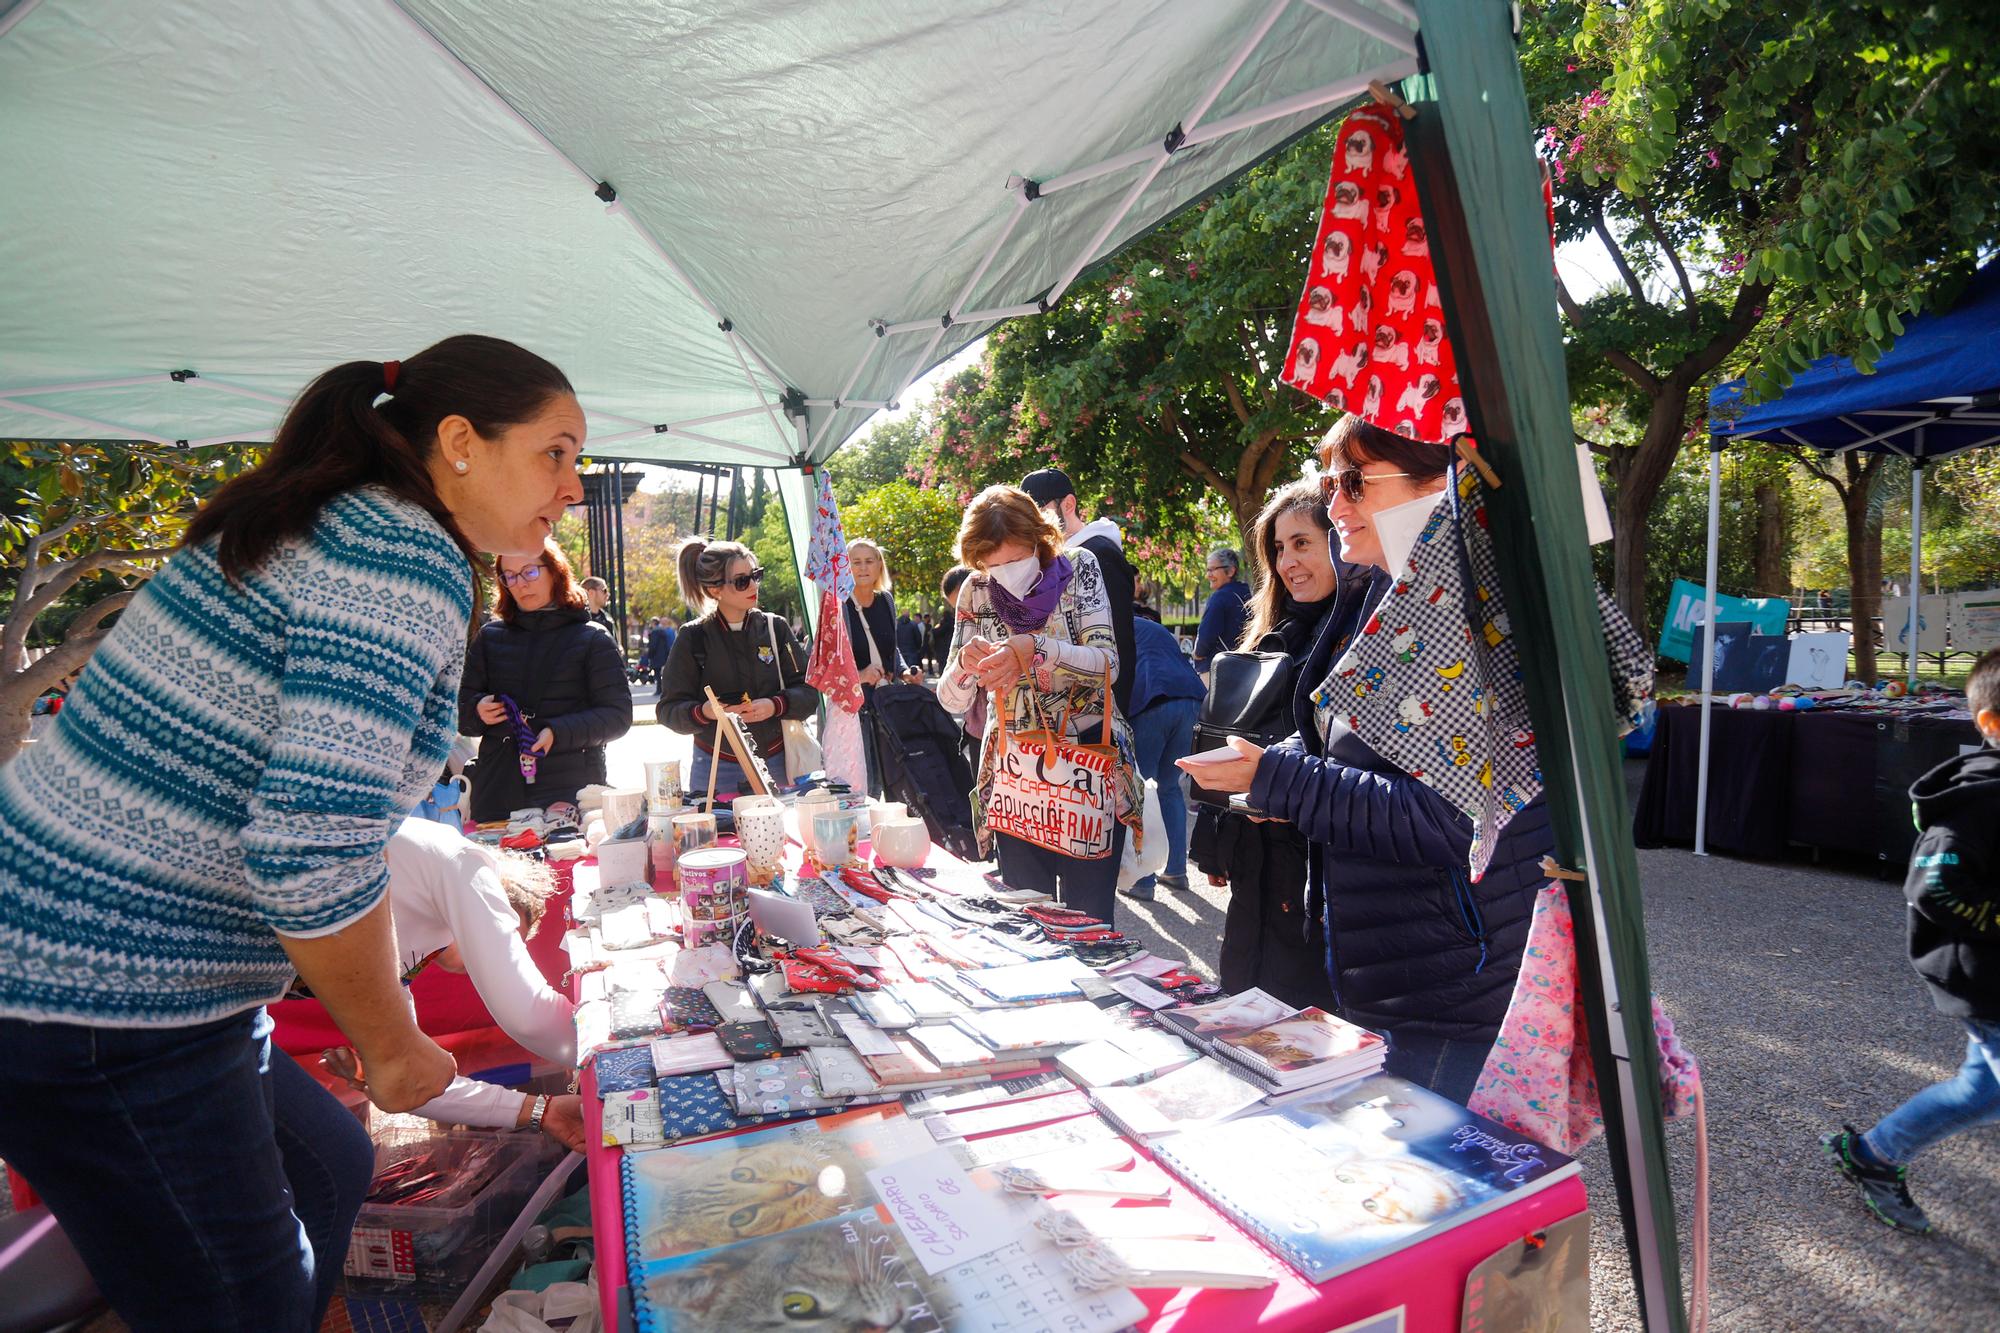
(732, 730)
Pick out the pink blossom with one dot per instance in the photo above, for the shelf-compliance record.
(1571, 67)
(1713, 158)
(1575, 146)
(1598, 97)
(1735, 262)
(1194, 269)
(1561, 172)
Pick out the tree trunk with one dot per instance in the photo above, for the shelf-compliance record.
(1864, 573)
(1638, 473)
(1771, 575)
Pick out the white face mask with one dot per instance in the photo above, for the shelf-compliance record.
(1017, 576)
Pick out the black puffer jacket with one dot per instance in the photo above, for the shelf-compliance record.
(1953, 886)
(1412, 945)
(735, 663)
(567, 675)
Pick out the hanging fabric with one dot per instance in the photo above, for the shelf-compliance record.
(830, 669)
(1369, 337)
(1432, 681)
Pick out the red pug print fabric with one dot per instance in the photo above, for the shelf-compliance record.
(1369, 337)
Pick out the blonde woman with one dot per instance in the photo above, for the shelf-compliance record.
(870, 615)
(1034, 617)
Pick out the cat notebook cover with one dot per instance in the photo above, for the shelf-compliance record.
(703, 1195)
(1369, 1169)
(1202, 1024)
(858, 1271)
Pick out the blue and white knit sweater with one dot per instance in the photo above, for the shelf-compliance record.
(229, 767)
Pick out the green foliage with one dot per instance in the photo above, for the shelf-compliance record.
(1842, 156)
(572, 534)
(1154, 384)
(888, 453)
(770, 541)
(917, 529)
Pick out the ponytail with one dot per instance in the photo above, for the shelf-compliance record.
(334, 439)
(700, 564)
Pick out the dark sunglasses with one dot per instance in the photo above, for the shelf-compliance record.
(1351, 482)
(520, 576)
(742, 582)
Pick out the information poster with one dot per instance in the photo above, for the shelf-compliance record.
(1766, 615)
(1975, 621)
(1931, 611)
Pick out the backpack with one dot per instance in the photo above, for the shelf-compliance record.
(1249, 695)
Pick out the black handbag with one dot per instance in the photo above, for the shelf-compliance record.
(1249, 695)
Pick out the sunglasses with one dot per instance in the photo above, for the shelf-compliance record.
(742, 582)
(520, 576)
(1350, 482)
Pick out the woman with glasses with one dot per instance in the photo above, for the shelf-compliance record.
(746, 655)
(544, 691)
(1414, 948)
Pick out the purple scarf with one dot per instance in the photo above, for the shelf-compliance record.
(1025, 615)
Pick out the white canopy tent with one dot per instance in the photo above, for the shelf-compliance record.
(740, 228)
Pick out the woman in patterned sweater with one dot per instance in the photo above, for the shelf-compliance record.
(208, 816)
(1036, 618)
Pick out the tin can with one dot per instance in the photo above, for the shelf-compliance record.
(714, 881)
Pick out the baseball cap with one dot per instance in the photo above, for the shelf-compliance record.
(1047, 486)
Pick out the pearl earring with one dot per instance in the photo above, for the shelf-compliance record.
(460, 465)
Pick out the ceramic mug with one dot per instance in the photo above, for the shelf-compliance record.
(622, 805)
(903, 842)
(760, 830)
(835, 835)
(878, 811)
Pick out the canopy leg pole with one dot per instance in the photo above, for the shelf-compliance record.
(1916, 584)
(1707, 642)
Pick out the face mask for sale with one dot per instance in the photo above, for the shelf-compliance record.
(1017, 576)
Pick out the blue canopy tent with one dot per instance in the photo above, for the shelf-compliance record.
(1936, 392)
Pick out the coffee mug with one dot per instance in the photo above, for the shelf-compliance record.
(835, 835)
(622, 805)
(904, 842)
(760, 830)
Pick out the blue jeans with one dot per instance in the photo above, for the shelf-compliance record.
(1162, 733)
(729, 779)
(206, 1180)
(1447, 1066)
(1944, 1109)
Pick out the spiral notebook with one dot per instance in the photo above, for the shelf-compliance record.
(1369, 1169)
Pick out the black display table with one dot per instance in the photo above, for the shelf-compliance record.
(1834, 780)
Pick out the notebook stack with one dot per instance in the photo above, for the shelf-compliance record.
(1307, 1051)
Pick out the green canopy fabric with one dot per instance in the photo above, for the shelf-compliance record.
(707, 214)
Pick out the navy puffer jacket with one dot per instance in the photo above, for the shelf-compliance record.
(1412, 944)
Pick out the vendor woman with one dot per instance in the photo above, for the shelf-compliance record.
(207, 818)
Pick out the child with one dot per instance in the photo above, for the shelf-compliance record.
(1954, 894)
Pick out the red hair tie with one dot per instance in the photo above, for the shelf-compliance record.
(389, 371)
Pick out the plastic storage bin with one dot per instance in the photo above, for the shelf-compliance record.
(433, 1248)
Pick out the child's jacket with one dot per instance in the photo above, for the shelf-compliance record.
(1954, 885)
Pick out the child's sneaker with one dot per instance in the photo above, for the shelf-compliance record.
(1885, 1189)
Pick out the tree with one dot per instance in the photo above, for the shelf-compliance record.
(1773, 183)
(917, 530)
(886, 454)
(1156, 382)
(88, 523)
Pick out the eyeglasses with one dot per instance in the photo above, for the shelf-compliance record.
(742, 582)
(520, 576)
(1220, 569)
(1351, 481)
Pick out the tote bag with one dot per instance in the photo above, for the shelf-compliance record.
(802, 752)
(1056, 793)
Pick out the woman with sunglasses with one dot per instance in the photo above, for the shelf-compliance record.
(1414, 949)
(746, 655)
(565, 678)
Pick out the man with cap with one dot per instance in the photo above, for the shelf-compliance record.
(1050, 488)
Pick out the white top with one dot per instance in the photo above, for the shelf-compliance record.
(445, 889)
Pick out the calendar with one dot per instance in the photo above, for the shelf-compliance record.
(1024, 1288)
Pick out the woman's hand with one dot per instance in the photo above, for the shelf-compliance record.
(402, 1079)
(871, 674)
(491, 711)
(1231, 775)
(757, 710)
(544, 741)
(974, 653)
(563, 1121)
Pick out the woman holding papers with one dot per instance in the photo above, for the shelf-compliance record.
(1415, 947)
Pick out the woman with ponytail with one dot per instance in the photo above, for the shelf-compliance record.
(747, 656)
(205, 824)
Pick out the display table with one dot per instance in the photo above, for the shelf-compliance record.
(1829, 779)
(1425, 1281)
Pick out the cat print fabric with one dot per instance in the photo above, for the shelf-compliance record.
(1369, 336)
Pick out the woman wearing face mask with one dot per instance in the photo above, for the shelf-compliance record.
(1036, 617)
(1414, 949)
(1273, 937)
(746, 655)
(205, 824)
(565, 677)
(466, 909)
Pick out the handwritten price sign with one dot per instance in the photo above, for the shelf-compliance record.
(943, 1213)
